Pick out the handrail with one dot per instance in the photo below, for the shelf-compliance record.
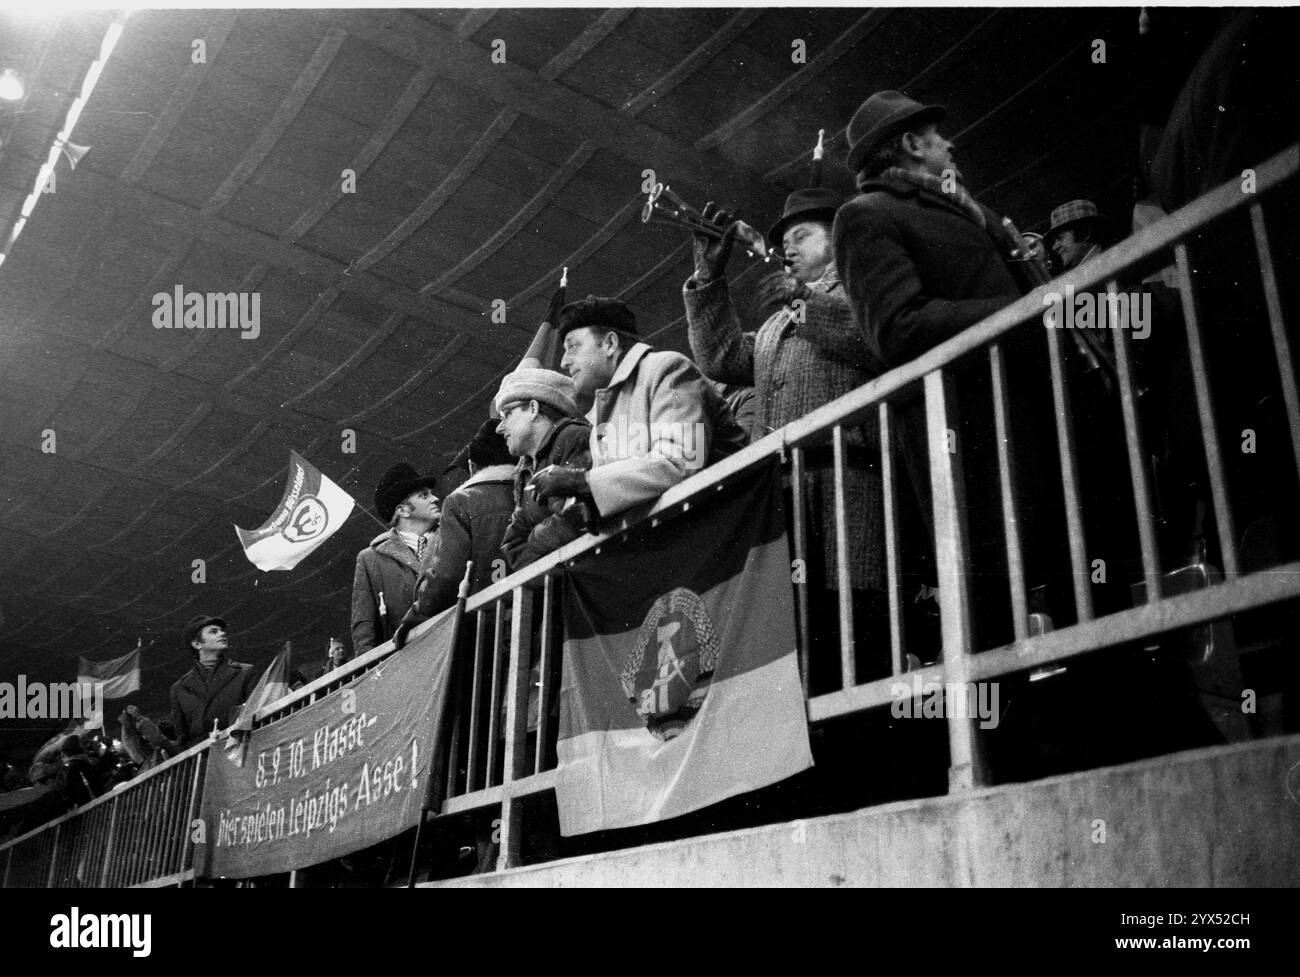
(108, 797)
(1160, 614)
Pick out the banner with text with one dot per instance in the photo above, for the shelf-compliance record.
(342, 774)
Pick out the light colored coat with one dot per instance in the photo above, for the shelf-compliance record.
(658, 422)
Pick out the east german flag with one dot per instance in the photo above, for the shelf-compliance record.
(681, 683)
(311, 510)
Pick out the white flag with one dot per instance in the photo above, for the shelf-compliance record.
(311, 511)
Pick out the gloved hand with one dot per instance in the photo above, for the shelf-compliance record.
(557, 481)
(712, 254)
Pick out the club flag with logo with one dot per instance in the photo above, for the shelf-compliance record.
(311, 511)
(119, 677)
(681, 682)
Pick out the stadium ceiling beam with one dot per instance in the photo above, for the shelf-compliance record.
(148, 206)
(412, 38)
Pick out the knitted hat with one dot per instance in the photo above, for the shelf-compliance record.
(601, 313)
(543, 386)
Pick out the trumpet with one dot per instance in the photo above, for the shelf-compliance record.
(672, 209)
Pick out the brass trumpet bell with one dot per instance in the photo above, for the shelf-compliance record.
(662, 202)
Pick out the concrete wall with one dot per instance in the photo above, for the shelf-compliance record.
(1225, 816)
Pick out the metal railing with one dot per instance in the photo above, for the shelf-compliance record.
(140, 834)
(494, 761)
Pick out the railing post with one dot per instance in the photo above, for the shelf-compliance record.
(843, 579)
(893, 565)
(108, 843)
(948, 489)
(1074, 523)
(798, 501)
(9, 862)
(521, 633)
(1205, 408)
(196, 801)
(54, 855)
(1007, 488)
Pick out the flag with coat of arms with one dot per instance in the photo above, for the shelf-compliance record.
(310, 512)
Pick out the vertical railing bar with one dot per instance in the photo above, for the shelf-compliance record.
(98, 839)
(1069, 476)
(95, 842)
(950, 542)
(108, 842)
(1128, 399)
(139, 831)
(167, 856)
(152, 825)
(9, 863)
(844, 580)
(544, 690)
(893, 559)
(1007, 490)
(195, 805)
(132, 849)
(54, 855)
(459, 718)
(475, 704)
(799, 519)
(1205, 408)
(516, 739)
(158, 828)
(1281, 344)
(494, 714)
(176, 859)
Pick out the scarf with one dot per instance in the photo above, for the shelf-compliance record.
(928, 181)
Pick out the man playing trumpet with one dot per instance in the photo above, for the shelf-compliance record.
(808, 352)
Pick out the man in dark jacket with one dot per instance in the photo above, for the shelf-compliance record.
(474, 520)
(542, 426)
(922, 261)
(214, 689)
(383, 586)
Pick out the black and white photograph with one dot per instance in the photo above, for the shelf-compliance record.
(650, 447)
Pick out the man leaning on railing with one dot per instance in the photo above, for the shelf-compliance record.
(655, 420)
(922, 261)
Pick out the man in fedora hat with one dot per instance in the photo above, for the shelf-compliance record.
(213, 690)
(808, 352)
(655, 419)
(383, 586)
(542, 426)
(922, 261)
(1076, 233)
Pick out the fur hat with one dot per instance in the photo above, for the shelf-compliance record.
(396, 484)
(601, 313)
